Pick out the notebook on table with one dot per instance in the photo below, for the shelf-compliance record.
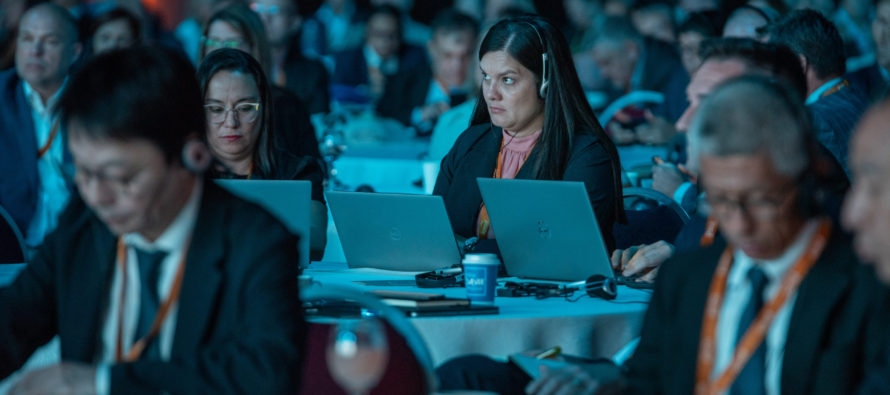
(394, 231)
(545, 230)
(287, 200)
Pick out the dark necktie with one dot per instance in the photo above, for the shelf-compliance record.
(149, 268)
(751, 379)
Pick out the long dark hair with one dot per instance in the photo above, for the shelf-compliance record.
(234, 60)
(566, 111)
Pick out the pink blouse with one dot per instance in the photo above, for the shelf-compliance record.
(516, 150)
(512, 156)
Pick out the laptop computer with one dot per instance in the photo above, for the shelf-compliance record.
(545, 229)
(394, 231)
(287, 200)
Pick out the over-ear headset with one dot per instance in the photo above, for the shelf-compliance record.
(545, 81)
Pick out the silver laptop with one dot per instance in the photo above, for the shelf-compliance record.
(394, 231)
(545, 229)
(287, 200)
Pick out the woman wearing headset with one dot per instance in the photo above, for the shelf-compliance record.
(532, 121)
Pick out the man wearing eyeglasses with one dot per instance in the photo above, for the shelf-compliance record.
(34, 187)
(156, 280)
(779, 304)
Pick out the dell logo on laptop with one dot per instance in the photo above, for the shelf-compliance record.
(395, 234)
(543, 230)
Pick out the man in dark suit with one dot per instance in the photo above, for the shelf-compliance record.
(34, 186)
(821, 335)
(867, 213)
(306, 78)
(836, 105)
(633, 62)
(368, 72)
(424, 93)
(779, 304)
(155, 280)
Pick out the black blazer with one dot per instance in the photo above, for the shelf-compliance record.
(239, 327)
(831, 337)
(475, 154)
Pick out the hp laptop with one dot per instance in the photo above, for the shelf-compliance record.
(287, 200)
(545, 229)
(394, 231)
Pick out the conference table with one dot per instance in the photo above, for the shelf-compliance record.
(589, 327)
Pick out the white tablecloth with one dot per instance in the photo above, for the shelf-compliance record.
(589, 327)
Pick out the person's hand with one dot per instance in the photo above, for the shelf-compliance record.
(621, 135)
(656, 130)
(621, 257)
(60, 379)
(433, 111)
(666, 177)
(647, 260)
(569, 380)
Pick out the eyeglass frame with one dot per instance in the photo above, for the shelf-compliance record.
(231, 109)
(210, 43)
(764, 208)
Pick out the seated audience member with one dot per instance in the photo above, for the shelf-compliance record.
(723, 59)
(654, 19)
(114, 29)
(156, 280)
(697, 28)
(289, 68)
(413, 32)
(835, 105)
(426, 93)
(749, 21)
(531, 121)
(781, 305)
(371, 68)
(632, 62)
(867, 213)
(236, 26)
(343, 25)
(242, 138)
(35, 185)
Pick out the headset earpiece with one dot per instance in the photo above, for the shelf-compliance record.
(196, 156)
(545, 81)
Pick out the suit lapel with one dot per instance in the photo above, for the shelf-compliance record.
(25, 135)
(826, 283)
(90, 283)
(200, 283)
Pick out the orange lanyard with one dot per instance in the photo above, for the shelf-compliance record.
(834, 89)
(755, 334)
(250, 170)
(49, 141)
(161, 316)
(484, 221)
(710, 232)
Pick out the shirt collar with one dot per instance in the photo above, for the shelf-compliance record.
(34, 97)
(773, 268)
(386, 66)
(817, 94)
(176, 234)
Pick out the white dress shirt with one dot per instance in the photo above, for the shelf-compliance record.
(52, 192)
(738, 294)
(173, 241)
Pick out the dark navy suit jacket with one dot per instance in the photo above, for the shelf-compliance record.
(834, 117)
(18, 151)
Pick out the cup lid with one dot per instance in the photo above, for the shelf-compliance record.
(481, 258)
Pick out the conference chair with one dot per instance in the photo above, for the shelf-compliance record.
(409, 368)
(12, 243)
(651, 216)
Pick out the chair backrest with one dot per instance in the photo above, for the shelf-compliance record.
(635, 98)
(12, 243)
(651, 216)
(409, 369)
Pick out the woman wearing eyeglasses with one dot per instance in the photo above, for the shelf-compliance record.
(241, 137)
